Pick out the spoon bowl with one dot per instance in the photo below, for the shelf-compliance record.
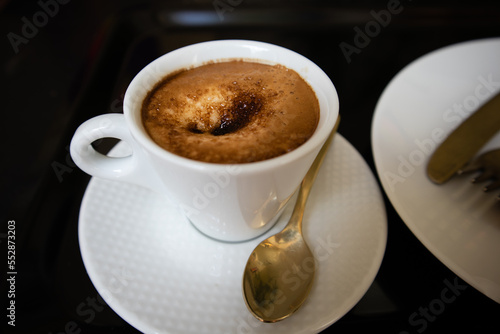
(276, 283)
(280, 271)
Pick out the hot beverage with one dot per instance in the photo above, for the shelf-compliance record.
(231, 112)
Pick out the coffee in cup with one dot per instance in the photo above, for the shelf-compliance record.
(232, 111)
(224, 200)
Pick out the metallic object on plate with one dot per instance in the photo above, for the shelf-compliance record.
(465, 141)
(280, 271)
(488, 164)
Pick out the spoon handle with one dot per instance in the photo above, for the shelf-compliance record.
(308, 181)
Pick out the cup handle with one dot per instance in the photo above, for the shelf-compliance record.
(132, 169)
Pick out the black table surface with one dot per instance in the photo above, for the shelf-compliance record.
(63, 62)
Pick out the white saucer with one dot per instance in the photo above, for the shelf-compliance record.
(162, 276)
(456, 221)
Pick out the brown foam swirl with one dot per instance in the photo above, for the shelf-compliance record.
(231, 112)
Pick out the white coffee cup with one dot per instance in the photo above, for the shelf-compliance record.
(226, 202)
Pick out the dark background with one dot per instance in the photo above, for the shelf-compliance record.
(77, 64)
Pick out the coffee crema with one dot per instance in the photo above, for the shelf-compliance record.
(231, 112)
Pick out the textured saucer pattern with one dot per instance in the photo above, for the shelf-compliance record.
(162, 276)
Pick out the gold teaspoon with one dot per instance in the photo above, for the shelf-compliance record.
(280, 271)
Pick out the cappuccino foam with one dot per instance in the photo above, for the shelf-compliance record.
(231, 112)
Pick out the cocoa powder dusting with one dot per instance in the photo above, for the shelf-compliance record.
(231, 112)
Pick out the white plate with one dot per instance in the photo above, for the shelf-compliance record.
(162, 276)
(456, 221)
